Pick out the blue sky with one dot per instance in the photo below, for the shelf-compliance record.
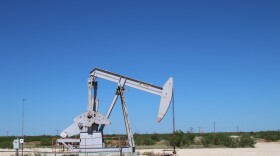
(223, 56)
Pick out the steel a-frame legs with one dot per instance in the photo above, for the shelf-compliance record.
(127, 124)
(120, 92)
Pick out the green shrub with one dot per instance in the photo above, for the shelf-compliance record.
(179, 139)
(144, 139)
(46, 142)
(155, 137)
(247, 141)
(148, 141)
(218, 139)
(268, 135)
(6, 144)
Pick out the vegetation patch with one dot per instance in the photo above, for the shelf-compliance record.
(151, 154)
(180, 140)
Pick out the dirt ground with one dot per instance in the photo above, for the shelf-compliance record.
(261, 149)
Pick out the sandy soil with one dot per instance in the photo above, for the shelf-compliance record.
(261, 149)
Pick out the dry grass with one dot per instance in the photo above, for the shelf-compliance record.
(151, 154)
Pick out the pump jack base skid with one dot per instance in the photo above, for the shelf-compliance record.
(103, 150)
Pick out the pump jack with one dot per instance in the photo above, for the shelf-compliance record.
(90, 125)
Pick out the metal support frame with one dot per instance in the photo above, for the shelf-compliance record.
(110, 108)
(126, 119)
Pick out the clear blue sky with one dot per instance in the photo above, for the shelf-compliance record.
(224, 57)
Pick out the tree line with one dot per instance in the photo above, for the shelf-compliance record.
(179, 139)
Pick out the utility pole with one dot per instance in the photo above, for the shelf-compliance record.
(214, 126)
(22, 117)
(22, 124)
